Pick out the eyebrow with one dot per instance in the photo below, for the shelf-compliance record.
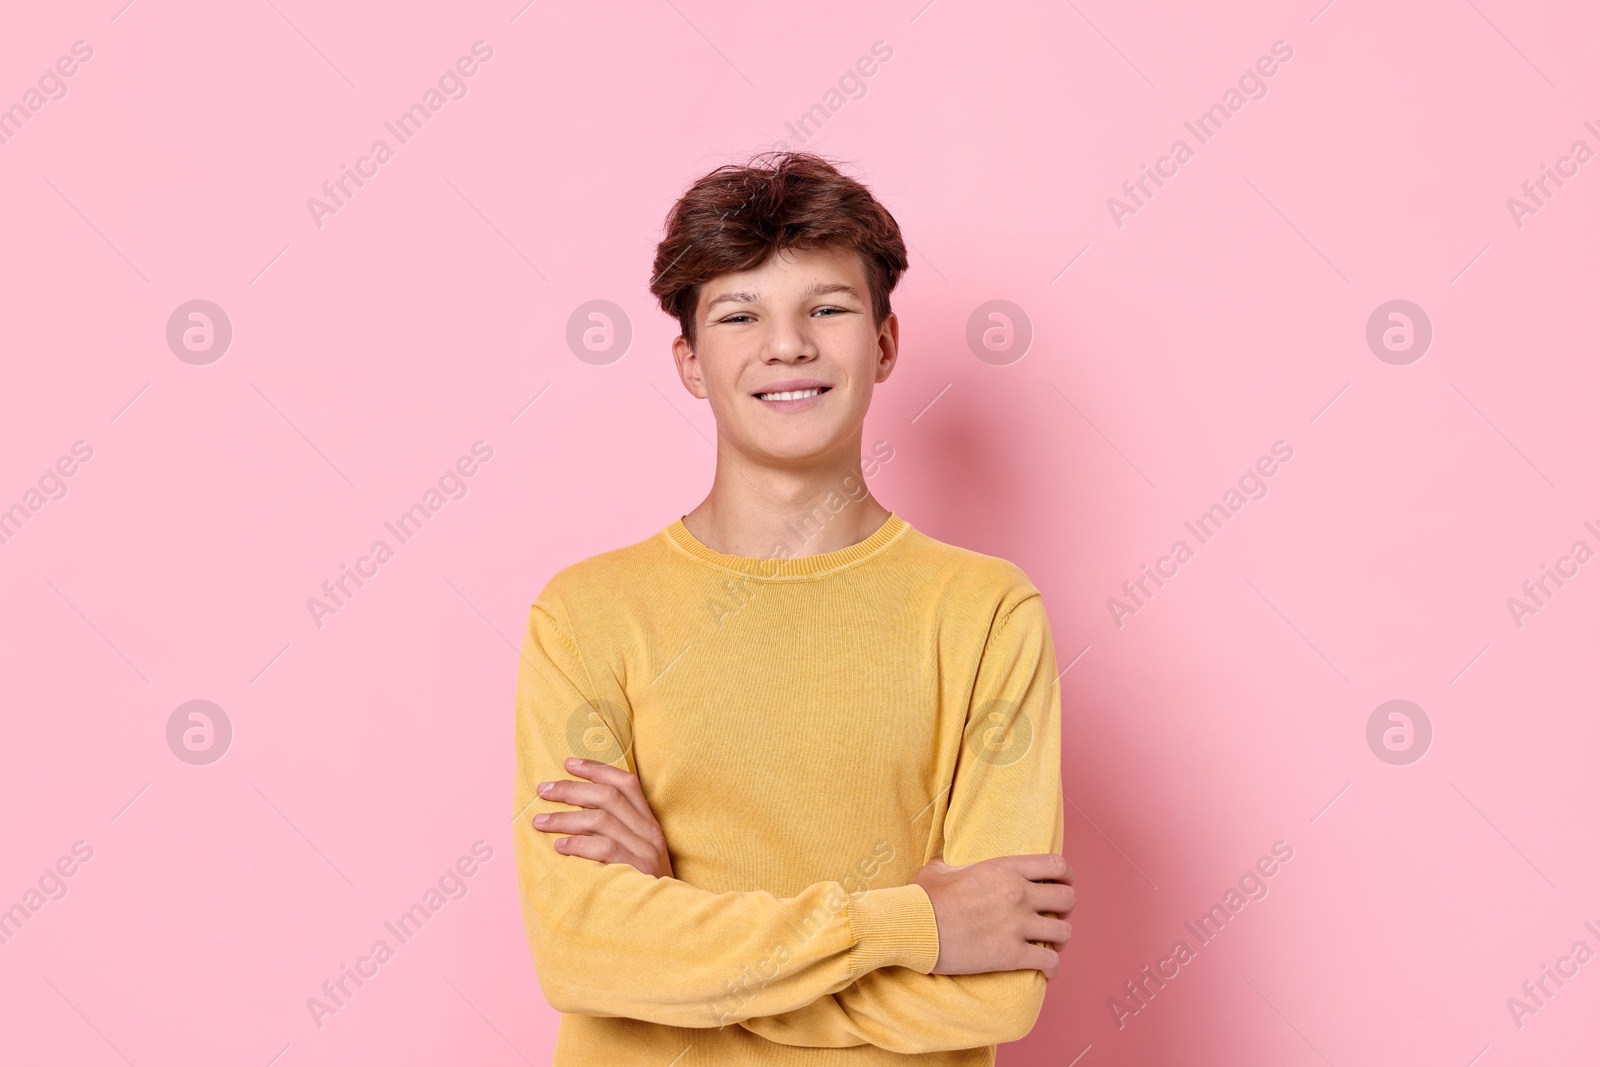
(817, 289)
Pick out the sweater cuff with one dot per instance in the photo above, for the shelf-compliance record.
(893, 928)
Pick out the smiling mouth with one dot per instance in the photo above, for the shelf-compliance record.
(793, 394)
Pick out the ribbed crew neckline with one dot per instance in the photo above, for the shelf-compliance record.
(794, 567)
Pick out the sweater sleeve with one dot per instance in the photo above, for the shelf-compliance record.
(1005, 799)
(610, 940)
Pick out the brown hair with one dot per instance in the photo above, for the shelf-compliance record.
(736, 217)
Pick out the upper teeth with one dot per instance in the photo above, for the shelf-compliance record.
(797, 394)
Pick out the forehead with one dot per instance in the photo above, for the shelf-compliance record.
(790, 273)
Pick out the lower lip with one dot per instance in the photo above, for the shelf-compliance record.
(792, 405)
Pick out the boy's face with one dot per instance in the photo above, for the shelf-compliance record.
(799, 323)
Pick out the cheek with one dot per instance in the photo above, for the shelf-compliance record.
(720, 371)
(719, 411)
(730, 392)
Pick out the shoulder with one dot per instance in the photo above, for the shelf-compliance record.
(599, 584)
(971, 579)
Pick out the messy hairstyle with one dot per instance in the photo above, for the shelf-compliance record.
(736, 217)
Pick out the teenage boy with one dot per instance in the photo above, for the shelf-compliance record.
(788, 772)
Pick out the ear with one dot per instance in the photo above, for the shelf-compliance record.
(888, 346)
(689, 370)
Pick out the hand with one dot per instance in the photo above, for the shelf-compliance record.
(614, 823)
(989, 912)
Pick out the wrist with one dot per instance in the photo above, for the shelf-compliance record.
(893, 927)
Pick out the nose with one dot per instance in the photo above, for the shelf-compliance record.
(789, 341)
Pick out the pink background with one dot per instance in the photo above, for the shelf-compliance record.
(368, 354)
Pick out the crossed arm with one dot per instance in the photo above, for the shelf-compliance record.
(988, 912)
(594, 855)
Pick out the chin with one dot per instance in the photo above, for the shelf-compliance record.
(793, 451)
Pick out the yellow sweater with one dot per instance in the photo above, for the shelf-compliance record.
(809, 731)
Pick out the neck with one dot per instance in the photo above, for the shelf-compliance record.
(767, 510)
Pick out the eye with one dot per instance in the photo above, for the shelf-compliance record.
(736, 316)
(830, 308)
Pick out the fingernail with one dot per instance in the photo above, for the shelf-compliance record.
(540, 820)
(544, 787)
(576, 762)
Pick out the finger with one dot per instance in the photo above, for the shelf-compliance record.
(1042, 928)
(1045, 960)
(1051, 897)
(579, 821)
(587, 821)
(599, 849)
(1048, 867)
(618, 779)
(602, 797)
(597, 823)
(626, 787)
